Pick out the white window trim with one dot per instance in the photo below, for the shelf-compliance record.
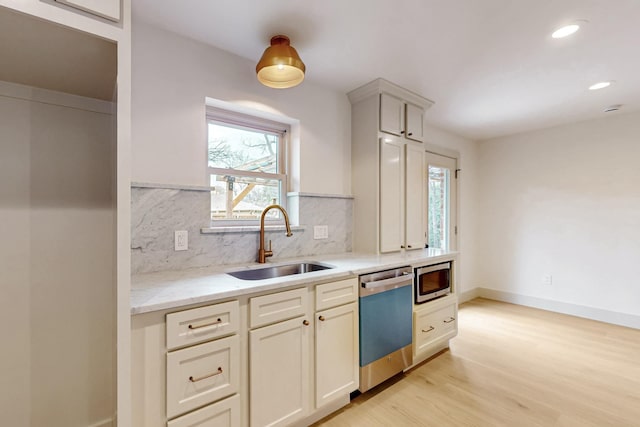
(241, 120)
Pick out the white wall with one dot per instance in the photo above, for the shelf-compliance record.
(172, 76)
(57, 284)
(468, 197)
(564, 201)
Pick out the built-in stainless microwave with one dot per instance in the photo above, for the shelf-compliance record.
(432, 281)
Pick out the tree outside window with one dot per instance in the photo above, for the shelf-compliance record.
(246, 170)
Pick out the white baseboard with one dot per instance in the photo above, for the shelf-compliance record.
(616, 318)
(468, 295)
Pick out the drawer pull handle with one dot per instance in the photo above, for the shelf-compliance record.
(321, 318)
(305, 322)
(449, 320)
(217, 322)
(431, 328)
(195, 380)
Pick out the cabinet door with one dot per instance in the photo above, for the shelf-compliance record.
(391, 196)
(109, 9)
(414, 197)
(279, 373)
(391, 114)
(336, 353)
(414, 125)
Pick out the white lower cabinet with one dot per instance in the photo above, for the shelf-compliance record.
(279, 372)
(283, 373)
(336, 353)
(225, 413)
(434, 324)
(278, 359)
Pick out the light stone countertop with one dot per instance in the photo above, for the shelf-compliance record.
(175, 288)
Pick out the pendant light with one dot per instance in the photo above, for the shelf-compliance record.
(280, 66)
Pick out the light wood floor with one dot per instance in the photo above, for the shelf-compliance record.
(513, 366)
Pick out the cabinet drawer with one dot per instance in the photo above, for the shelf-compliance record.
(202, 374)
(222, 414)
(202, 324)
(336, 293)
(430, 327)
(277, 307)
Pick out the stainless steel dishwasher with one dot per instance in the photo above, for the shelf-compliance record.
(386, 307)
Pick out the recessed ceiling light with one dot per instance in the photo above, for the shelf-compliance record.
(565, 31)
(599, 85)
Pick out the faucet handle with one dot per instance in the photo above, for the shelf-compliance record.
(268, 252)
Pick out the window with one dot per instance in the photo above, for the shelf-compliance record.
(246, 166)
(441, 202)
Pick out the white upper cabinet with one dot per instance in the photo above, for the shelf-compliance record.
(414, 122)
(401, 118)
(108, 9)
(391, 114)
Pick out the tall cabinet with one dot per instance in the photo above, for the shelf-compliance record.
(388, 172)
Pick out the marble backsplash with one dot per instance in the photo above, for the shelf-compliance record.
(157, 212)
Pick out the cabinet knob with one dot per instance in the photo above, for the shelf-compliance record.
(401, 132)
(410, 133)
(409, 246)
(305, 322)
(321, 318)
(401, 246)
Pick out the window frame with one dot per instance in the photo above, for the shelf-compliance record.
(249, 122)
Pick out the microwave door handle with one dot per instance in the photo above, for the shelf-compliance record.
(405, 279)
(432, 268)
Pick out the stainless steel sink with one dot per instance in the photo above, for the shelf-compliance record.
(278, 270)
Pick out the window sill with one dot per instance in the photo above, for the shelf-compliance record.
(247, 229)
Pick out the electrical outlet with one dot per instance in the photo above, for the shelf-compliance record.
(547, 279)
(320, 232)
(181, 240)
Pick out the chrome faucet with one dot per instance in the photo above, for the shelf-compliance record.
(262, 253)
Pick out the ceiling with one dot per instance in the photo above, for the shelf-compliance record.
(490, 66)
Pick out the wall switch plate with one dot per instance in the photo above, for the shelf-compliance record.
(320, 232)
(181, 240)
(547, 279)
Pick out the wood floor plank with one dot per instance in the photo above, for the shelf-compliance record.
(513, 366)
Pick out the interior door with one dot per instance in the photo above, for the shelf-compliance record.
(441, 197)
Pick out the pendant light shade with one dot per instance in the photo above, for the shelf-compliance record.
(280, 66)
